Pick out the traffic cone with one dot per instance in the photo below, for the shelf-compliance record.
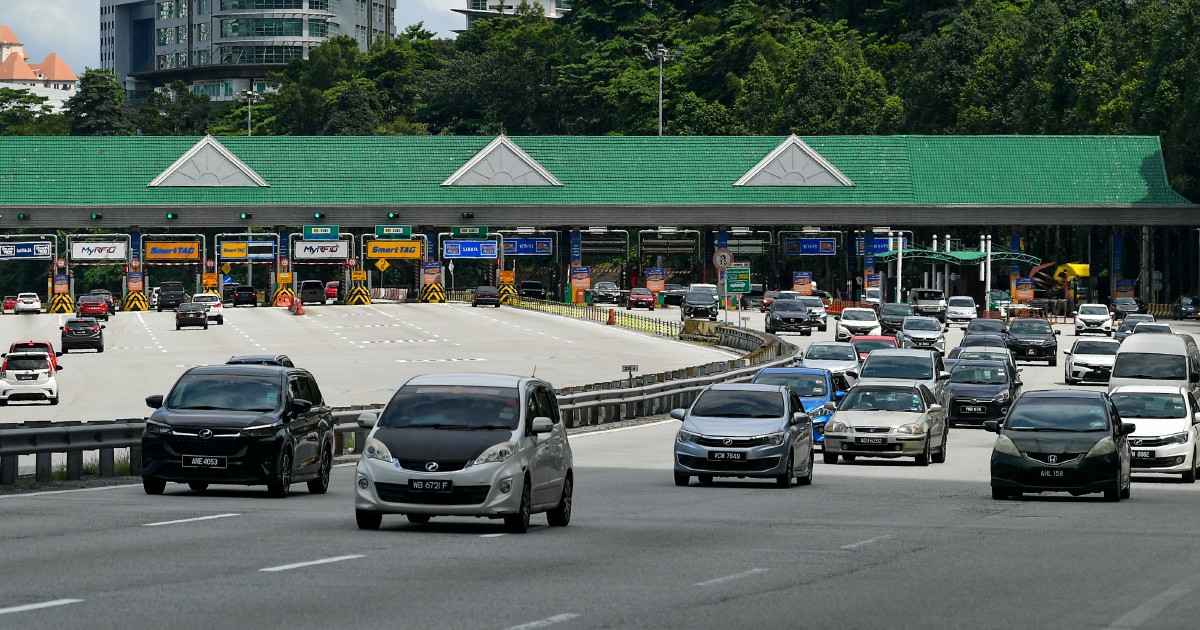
(299, 307)
(612, 317)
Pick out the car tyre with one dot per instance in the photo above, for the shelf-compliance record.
(368, 519)
(178, 327)
(320, 485)
(1053, 362)
(999, 494)
(1069, 381)
(806, 478)
(785, 480)
(923, 458)
(682, 480)
(66, 350)
(54, 401)
(205, 325)
(849, 458)
(519, 523)
(560, 515)
(282, 485)
(100, 349)
(1113, 494)
(1190, 475)
(419, 519)
(221, 320)
(1128, 488)
(153, 485)
(829, 458)
(940, 456)
(704, 479)
(198, 486)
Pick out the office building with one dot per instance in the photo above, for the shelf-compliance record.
(52, 79)
(482, 9)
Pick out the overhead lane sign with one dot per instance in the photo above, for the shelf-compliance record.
(35, 250)
(469, 249)
(247, 250)
(321, 233)
(810, 246)
(393, 249)
(528, 246)
(93, 251)
(393, 231)
(173, 250)
(322, 250)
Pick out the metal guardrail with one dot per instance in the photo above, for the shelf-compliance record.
(596, 403)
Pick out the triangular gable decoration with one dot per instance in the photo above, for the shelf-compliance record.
(501, 163)
(208, 164)
(794, 163)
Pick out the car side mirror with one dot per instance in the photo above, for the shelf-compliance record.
(1127, 428)
(832, 406)
(943, 376)
(1067, 353)
(678, 414)
(1057, 333)
(852, 373)
(935, 408)
(102, 326)
(1018, 384)
(542, 424)
(155, 401)
(300, 405)
(367, 419)
(991, 426)
(946, 329)
(1196, 418)
(1074, 313)
(1194, 377)
(63, 328)
(58, 354)
(838, 395)
(58, 367)
(800, 418)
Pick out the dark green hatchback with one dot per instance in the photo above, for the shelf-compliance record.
(1061, 441)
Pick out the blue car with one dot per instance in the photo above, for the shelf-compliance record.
(814, 386)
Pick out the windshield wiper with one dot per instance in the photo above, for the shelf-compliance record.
(198, 407)
(1138, 376)
(765, 415)
(436, 425)
(491, 426)
(730, 415)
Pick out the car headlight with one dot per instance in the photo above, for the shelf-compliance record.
(1048, 342)
(818, 411)
(837, 426)
(377, 450)
(1005, 445)
(774, 439)
(910, 429)
(262, 430)
(495, 454)
(1105, 446)
(157, 428)
(1003, 397)
(1176, 438)
(687, 437)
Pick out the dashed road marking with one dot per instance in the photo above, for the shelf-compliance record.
(38, 606)
(543, 623)
(864, 543)
(301, 565)
(442, 360)
(730, 578)
(191, 520)
(402, 341)
(150, 333)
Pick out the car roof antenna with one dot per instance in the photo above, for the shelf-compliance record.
(534, 375)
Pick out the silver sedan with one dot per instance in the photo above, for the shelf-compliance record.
(893, 420)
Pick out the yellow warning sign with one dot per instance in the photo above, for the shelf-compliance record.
(135, 301)
(433, 294)
(358, 275)
(226, 268)
(507, 276)
(382, 264)
(359, 295)
(61, 303)
(208, 280)
(283, 277)
(508, 294)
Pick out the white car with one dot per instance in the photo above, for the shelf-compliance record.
(212, 302)
(872, 296)
(923, 333)
(28, 376)
(1154, 328)
(856, 321)
(1090, 360)
(1093, 318)
(1165, 441)
(839, 357)
(28, 303)
(961, 309)
(816, 310)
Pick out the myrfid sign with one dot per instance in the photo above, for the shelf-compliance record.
(321, 250)
(95, 251)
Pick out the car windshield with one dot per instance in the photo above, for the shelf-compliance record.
(641, 292)
(873, 293)
(1150, 366)
(229, 392)
(982, 355)
(27, 363)
(1096, 347)
(913, 368)
(1093, 310)
(191, 306)
(701, 297)
(771, 294)
(858, 316)
(605, 285)
(928, 295)
(81, 323)
(486, 290)
(206, 298)
(453, 407)
(867, 345)
(961, 301)
(808, 300)
(896, 309)
(828, 352)
(1127, 327)
(1057, 414)
(733, 403)
(985, 325)
(91, 299)
(1144, 327)
(803, 384)
(790, 306)
(1125, 302)
(904, 399)
(979, 375)
(1186, 301)
(984, 340)
(914, 323)
(1149, 405)
(1031, 327)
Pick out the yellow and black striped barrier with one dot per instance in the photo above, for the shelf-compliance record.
(433, 294)
(508, 294)
(358, 296)
(135, 301)
(280, 292)
(61, 303)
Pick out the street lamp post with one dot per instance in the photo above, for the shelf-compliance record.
(661, 54)
(250, 97)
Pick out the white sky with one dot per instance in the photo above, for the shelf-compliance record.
(71, 28)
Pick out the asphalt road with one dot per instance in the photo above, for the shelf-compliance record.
(868, 545)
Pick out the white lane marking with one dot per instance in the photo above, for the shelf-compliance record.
(300, 565)
(46, 492)
(1137, 617)
(149, 332)
(401, 341)
(39, 606)
(864, 543)
(442, 360)
(638, 426)
(730, 578)
(548, 621)
(191, 520)
(493, 535)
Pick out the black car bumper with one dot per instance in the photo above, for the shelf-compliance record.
(245, 461)
(1034, 352)
(1080, 476)
(697, 313)
(485, 301)
(974, 410)
(200, 320)
(605, 298)
(78, 343)
(791, 325)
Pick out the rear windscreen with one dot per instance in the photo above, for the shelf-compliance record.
(28, 364)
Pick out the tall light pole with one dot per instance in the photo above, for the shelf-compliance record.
(661, 54)
(250, 97)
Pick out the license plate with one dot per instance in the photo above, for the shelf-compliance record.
(870, 440)
(26, 377)
(1031, 352)
(972, 409)
(204, 461)
(1052, 473)
(1143, 454)
(430, 485)
(727, 456)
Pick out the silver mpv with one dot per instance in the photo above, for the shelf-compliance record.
(744, 430)
(483, 445)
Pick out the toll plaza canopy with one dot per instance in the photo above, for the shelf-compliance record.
(961, 257)
(602, 180)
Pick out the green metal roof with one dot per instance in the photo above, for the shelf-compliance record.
(605, 170)
(961, 257)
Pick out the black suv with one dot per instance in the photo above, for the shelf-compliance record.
(171, 295)
(82, 333)
(281, 360)
(1033, 339)
(532, 289)
(697, 304)
(245, 294)
(891, 317)
(312, 292)
(239, 424)
(606, 292)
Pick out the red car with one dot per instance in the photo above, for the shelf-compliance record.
(864, 344)
(332, 288)
(36, 346)
(10, 302)
(640, 298)
(92, 306)
(767, 300)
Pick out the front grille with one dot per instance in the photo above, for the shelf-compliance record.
(460, 495)
(442, 466)
(1156, 462)
(188, 445)
(1060, 458)
(876, 448)
(872, 429)
(752, 465)
(735, 442)
(1142, 442)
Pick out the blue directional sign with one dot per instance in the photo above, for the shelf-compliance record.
(528, 246)
(32, 250)
(469, 249)
(809, 246)
(881, 244)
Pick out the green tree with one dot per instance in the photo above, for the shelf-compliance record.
(98, 108)
(758, 101)
(352, 109)
(19, 109)
(173, 111)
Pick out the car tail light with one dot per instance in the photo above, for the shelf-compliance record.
(96, 329)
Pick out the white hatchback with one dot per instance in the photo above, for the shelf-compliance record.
(961, 309)
(211, 301)
(1165, 441)
(28, 376)
(1093, 318)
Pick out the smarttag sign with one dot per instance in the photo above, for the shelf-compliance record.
(114, 250)
(469, 249)
(528, 246)
(321, 233)
(173, 250)
(321, 250)
(35, 250)
(393, 249)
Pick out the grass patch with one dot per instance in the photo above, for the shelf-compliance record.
(91, 467)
